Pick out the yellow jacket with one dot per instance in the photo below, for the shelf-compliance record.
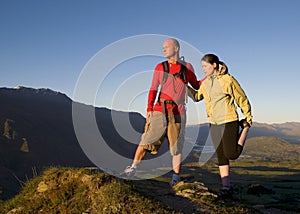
(221, 94)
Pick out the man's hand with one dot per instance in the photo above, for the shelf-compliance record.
(149, 115)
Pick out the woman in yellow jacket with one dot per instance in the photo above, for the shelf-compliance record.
(221, 93)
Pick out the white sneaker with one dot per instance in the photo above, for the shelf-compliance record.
(129, 171)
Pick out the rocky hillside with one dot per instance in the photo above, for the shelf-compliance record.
(69, 190)
(271, 148)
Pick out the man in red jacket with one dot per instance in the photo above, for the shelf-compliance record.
(167, 117)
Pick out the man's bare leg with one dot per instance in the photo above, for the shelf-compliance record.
(138, 157)
(176, 163)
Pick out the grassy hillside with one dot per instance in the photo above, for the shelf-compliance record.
(266, 179)
(66, 190)
(70, 190)
(271, 148)
(266, 176)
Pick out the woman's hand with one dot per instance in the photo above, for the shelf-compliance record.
(192, 94)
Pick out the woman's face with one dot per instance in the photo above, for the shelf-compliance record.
(208, 68)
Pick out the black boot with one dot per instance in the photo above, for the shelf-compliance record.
(225, 193)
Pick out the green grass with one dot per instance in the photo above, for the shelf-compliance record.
(281, 177)
(68, 190)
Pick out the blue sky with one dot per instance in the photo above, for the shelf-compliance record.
(46, 44)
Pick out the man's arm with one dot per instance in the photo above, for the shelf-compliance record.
(154, 87)
(191, 77)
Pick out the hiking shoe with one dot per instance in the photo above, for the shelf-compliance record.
(175, 179)
(243, 123)
(225, 193)
(129, 171)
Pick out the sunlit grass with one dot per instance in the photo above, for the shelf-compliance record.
(263, 173)
(68, 190)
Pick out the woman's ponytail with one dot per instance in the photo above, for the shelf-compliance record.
(222, 68)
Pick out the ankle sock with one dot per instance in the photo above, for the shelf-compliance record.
(226, 183)
(175, 178)
(134, 165)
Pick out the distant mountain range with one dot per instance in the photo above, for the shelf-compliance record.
(289, 131)
(36, 131)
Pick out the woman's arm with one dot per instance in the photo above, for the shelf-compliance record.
(241, 100)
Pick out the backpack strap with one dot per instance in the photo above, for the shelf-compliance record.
(165, 76)
(182, 72)
(166, 72)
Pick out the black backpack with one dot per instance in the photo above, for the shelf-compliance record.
(181, 74)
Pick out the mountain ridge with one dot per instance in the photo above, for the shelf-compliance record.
(36, 131)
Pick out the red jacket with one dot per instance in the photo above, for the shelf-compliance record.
(173, 89)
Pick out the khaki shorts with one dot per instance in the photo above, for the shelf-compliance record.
(160, 128)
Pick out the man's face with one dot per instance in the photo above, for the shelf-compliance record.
(169, 48)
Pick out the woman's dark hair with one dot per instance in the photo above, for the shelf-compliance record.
(211, 59)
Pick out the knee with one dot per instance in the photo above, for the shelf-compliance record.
(223, 162)
(232, 156)
(174, 151)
